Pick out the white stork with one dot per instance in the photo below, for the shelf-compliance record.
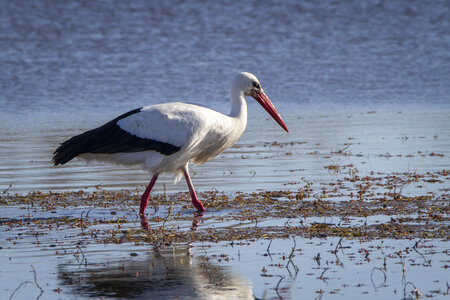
(165, 138)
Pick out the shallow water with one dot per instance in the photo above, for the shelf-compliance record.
(362, 86)
(68, 261)
(371, 141)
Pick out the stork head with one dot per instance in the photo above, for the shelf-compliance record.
(250, 86)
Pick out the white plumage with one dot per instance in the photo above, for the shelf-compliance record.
(165, 138)
(202, 134)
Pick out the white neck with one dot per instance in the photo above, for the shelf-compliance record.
(238, 115)
(238, 104)
(238, 110)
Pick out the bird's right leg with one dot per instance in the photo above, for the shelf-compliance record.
(146, 194)
(197, 203)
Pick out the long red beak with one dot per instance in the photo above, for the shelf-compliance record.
(268, 106)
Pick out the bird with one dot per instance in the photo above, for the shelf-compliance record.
(166, 138)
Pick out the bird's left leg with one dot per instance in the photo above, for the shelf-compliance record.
(197, 203)
(146, 194)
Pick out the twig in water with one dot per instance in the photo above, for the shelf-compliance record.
(402, 261)
(335, 251)
(20, 285)
(287, 222)
(321, 275)
(81, 221)
(268, 249)
(415, 292)
(337, 245)
(36, 283)
(155, 207)
(276, 289)
(256, 221)
(168, 215)
(25, 282)
(77, 256)
(427, 262)
(264, 296)
(417, 243)
(163, 229)
(371, 278)
(291, 262)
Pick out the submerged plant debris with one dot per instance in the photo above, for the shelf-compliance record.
(369, 207)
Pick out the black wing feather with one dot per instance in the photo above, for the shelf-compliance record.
(108, 139)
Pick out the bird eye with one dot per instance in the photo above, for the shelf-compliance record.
(256, 85)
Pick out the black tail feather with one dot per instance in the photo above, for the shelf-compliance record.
(70, 149)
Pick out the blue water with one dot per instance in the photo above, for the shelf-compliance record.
(69, 66)
(87, 56)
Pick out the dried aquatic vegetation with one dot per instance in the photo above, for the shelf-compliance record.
(370, 207)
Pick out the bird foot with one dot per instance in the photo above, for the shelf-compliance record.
(199, 206)
(144, 222)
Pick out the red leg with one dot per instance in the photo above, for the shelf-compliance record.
(197, 203)
(144, 222)
(146, 194)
